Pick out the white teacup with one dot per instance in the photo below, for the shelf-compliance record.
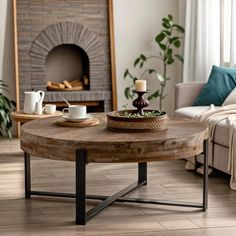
(75, 111)
(50, 108)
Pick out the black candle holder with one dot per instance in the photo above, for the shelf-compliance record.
(140, 102)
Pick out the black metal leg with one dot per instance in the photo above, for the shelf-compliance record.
(27, 175)
(142, 173)
(80, 179)
(205, 177)
(108, 200)
(82, 216)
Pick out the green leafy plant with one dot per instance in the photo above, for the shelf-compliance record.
(6, 106)
(147, 114)
(167, 40)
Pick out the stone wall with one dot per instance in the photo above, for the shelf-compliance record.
(84, 23)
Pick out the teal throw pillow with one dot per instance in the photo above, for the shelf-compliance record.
(221, 82)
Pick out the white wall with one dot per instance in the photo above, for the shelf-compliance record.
(6, 45)
(136, 23)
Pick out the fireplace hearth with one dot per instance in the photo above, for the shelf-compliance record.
(64, 49)
(67, 69)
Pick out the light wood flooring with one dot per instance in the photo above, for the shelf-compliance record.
(166, 180)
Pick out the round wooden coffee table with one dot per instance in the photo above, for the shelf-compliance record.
(43, 138)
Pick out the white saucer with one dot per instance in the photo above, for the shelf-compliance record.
(77, 119)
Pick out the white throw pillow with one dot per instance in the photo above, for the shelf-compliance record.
(231, 99)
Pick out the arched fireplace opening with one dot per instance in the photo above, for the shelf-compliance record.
(67, 67)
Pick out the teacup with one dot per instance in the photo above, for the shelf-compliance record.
(75, 111)
(50, 108)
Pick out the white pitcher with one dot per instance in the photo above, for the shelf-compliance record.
(31, 98)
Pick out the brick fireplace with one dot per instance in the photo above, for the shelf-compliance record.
(60, 41)
(74, 67)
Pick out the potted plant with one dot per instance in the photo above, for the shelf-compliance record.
(167, 40)
(6, 106)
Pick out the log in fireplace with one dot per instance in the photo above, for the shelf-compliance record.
(67, 69)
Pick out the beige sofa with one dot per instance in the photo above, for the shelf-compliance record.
(185, 94)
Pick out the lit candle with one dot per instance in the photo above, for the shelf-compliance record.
(140, 85)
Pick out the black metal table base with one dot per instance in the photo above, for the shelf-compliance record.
(82, 216)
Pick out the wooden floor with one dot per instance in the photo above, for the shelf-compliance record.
(166, 180)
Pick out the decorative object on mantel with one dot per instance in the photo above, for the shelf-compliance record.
(6, 106)
(167, 41)
(138, 120)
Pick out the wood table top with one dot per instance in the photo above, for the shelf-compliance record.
(43, 138)
(20, 116)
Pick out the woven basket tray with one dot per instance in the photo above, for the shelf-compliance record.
(156, 123)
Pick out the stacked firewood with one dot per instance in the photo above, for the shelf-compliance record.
(69, 85)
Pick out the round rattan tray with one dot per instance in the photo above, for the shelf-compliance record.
(115, 121)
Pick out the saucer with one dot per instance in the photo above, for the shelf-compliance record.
(77, 119)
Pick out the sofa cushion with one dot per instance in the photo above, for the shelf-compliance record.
(220, 83)
(190, 112)
(231, 99)
(222, 129)
(220, 160)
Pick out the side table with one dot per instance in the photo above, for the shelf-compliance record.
(21, 117)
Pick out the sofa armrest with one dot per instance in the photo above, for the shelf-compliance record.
(186, 93)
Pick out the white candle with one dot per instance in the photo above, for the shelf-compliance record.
(140, 85)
